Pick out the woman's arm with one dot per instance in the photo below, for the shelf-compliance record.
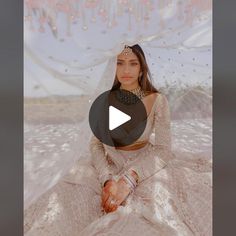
(160, 153)
(99, 160)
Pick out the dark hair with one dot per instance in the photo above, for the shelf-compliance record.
(145, 80)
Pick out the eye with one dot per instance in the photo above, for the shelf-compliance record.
(119, 63)
(134, 63)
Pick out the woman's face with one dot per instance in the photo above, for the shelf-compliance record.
(128, 69)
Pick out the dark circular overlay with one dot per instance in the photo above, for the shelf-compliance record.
(126, 102)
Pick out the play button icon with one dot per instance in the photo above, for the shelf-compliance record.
(117, 118)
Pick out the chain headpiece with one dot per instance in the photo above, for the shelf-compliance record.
(127, 50)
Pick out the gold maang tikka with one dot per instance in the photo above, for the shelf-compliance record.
(127, 50)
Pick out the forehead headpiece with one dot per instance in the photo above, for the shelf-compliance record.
(127, 50)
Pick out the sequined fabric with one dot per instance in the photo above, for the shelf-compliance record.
(173, 196)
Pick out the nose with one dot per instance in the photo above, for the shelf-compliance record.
(126, 69)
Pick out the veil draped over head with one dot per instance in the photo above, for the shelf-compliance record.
(70, 58)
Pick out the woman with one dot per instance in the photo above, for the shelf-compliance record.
(138, 189)
(132, 75)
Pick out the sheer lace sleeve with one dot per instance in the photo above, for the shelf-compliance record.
(99, 159)
(159, 153)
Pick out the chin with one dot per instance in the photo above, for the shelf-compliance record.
(127, 82)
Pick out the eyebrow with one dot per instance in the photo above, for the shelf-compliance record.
(129, 60)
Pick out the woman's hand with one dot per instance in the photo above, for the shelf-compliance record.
(114, 193)
(108, 190)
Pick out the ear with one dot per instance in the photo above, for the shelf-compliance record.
(140, 74)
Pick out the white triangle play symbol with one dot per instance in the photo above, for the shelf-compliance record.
(117, 117)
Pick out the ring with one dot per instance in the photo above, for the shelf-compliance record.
(113, 202)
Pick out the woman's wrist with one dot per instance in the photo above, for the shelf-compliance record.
(134, 175)
(130, 178)
(111, 178)
(106, 182)
(128, 185)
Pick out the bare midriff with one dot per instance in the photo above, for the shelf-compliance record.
(135, 146)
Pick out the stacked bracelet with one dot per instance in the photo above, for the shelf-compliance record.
(128, 178)
(130, 181)
(133, 174)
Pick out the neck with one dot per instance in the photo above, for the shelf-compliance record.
(130, 87)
